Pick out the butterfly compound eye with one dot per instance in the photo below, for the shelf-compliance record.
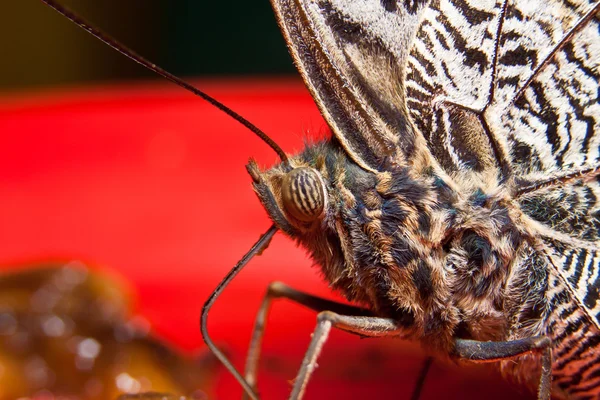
(303, 195)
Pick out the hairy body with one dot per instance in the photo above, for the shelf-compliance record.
(444, 262)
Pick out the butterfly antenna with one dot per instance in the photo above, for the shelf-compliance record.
(109, 40)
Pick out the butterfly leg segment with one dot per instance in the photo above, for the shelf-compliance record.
(366, 326)
(476, 351)
(280, 290)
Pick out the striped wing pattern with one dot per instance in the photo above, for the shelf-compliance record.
(547, 97)
(580, 266)
(518, 78)
(449, 79)
(572, 297)
(573, 211)
(576, 367)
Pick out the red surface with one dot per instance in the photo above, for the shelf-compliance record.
(148, 181)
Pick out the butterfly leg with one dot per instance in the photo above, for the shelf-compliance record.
(366, 326)
(476, 351)
(280, 290)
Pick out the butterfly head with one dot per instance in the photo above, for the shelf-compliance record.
(295, 194)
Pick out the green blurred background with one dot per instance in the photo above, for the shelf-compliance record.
(186, 37)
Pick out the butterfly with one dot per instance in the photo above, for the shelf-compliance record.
(456, 204)
(458, 198)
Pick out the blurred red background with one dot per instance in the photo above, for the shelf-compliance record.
(149, 182)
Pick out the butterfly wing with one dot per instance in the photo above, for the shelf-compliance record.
(547, 90)
(517, 78)
(352, 54)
